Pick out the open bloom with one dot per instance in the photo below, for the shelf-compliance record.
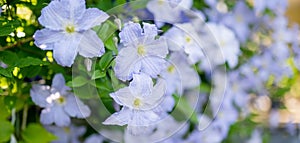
(139, 102)
(68, 30)
(168, 11)
(59, 104)
(143, 53)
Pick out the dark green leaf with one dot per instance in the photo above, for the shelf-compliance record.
(8, 27)
(5, 72)
(29, 61)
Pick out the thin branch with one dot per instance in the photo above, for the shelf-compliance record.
(16, 44)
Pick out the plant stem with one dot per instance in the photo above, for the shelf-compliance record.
(24, 118)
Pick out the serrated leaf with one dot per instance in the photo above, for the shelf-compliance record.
(98, 74)
(35, 133)
(105, 60)
(6, 130)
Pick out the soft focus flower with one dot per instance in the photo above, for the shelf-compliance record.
(179, 75)
(95, 138)
(68, 30)
(168, 11)
(240, 20)
(67, 134)
(139, 101)
(184, 37)
(58, 103)
(227, 48)
(142, 52)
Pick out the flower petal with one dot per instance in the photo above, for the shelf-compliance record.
(152, 65)
(91, 18)
(39, 95)
(75, 108)
(157, 47)
(91, 45)
(60, 116)
(54, 15)
(65, 50)
(45, 38)
(130, 33)
(123, 97)
(120, 118)
(125, 63)
(141, 85)
(58, 83)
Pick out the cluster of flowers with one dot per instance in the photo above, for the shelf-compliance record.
(159, 66)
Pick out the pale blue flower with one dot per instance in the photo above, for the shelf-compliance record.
(142, 52)
(277, 6)
(58, 103)
(139, 101)
(168, 11)
(68, 30)
(69, 134)
(184, 37)
(227, 48)
(179, 75)
(95, 138)
(211, 134)
(239, 20)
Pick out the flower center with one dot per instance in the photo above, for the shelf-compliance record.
(188, 39)
(160, 2)
(60, 100)
(171, 69)
(137, 102)
(70, 29)
(141, 50)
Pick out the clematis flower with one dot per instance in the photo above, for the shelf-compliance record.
(95, 138)
(69, 134)
(139, 101)
(185, 37)
(227, 42)
(68, 30)
(179, 75)
(142, 53)
(168, 11)
(239, 20)
(59, 104)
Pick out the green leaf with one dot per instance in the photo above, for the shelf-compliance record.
(6, 130)
(183, 108)
(8, 27)
(98, 74)
(35, 133)
(5, 72)
(105, 30)
(78, 81)
(110, 44)
(106, 60)
(4, 111)
(9, 58)
(29, 61)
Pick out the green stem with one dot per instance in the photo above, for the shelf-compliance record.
(24, 118)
